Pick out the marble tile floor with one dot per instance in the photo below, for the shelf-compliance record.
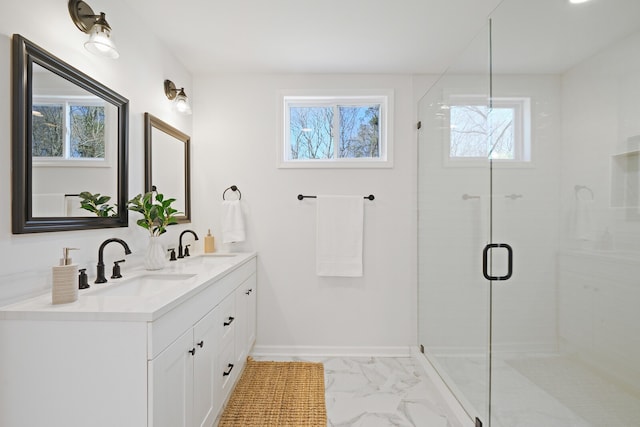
(380, 392)
(545, 390)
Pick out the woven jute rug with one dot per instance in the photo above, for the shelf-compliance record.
(277, 394)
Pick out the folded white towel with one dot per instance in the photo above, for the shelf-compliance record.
(339, 235)
(582, 223)
(232, 222)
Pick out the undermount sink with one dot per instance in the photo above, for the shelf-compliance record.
(210, 260)
(141, 286)
(218, 255)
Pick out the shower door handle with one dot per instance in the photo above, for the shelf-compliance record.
(485, 261)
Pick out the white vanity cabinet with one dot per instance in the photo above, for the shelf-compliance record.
(181, 377)
(171, 379)
(105, 362)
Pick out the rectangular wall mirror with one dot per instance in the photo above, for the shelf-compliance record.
(69, 137)
(167, 163)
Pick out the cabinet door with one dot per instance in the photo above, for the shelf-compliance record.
(227, 372)
(246, 315)
(575, 302)
(206, 400)
(171, 385)
(252, 298)
(225, 362)
(241, 326)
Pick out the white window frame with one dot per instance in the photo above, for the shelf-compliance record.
(66, 161)
(332, 98)
(522, 131)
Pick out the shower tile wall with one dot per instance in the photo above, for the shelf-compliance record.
(600, 111)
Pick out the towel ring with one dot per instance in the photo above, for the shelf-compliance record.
(577, 189)
(232, 188)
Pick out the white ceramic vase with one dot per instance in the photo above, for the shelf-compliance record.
(155, 258)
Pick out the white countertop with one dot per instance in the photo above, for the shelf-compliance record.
(91, 305)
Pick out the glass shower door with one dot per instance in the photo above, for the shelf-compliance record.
(454, 226)
(532, 138)
(565, 346)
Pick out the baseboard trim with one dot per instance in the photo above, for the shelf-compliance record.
(329, 351)
(461, 415)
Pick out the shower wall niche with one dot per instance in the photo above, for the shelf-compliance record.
(625, 179)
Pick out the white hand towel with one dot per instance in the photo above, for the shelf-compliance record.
(232, 222)
(339, 235)
(582, 219)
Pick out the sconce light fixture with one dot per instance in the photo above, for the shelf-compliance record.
(179, 98)
(96, 26)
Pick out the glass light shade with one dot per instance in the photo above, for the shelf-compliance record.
(181, 103)
(100, 43)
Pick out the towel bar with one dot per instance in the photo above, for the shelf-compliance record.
(300, 197)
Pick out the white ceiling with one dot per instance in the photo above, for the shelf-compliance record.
(312, 36)
(380, 36)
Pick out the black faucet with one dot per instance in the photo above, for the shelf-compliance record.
(100, 278)
(180, 253)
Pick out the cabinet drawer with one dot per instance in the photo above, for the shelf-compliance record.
(169, 327)
(226, 322)
(227, 371)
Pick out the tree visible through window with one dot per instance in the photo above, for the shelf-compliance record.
(359, 131)
(68, 131)
(499, 132)
(48, 126)
(311, 133)
(320, 129)
(87, 131)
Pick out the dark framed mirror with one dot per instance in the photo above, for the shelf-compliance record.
(69, 136)
(167, 163)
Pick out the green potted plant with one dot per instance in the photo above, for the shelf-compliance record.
(157, 215)
(97, 204)
(156, 211)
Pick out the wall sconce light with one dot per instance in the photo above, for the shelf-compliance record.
(179, 98)
(96, 26)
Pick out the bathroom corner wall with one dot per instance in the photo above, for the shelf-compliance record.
(601, 111)
(236, 126)
(138, 75)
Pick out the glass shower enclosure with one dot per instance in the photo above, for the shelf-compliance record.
(529, 217)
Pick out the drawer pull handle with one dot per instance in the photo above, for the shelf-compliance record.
(249, 292)
(228, 322)
(228, 372)
(201, 344)
(192, 351)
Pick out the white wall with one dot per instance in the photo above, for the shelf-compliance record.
(234, 142)
(138, 75)
(601, 111)
(598, 280)
(235, 124)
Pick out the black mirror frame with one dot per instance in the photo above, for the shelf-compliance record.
(25, 54)
(151, 122)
